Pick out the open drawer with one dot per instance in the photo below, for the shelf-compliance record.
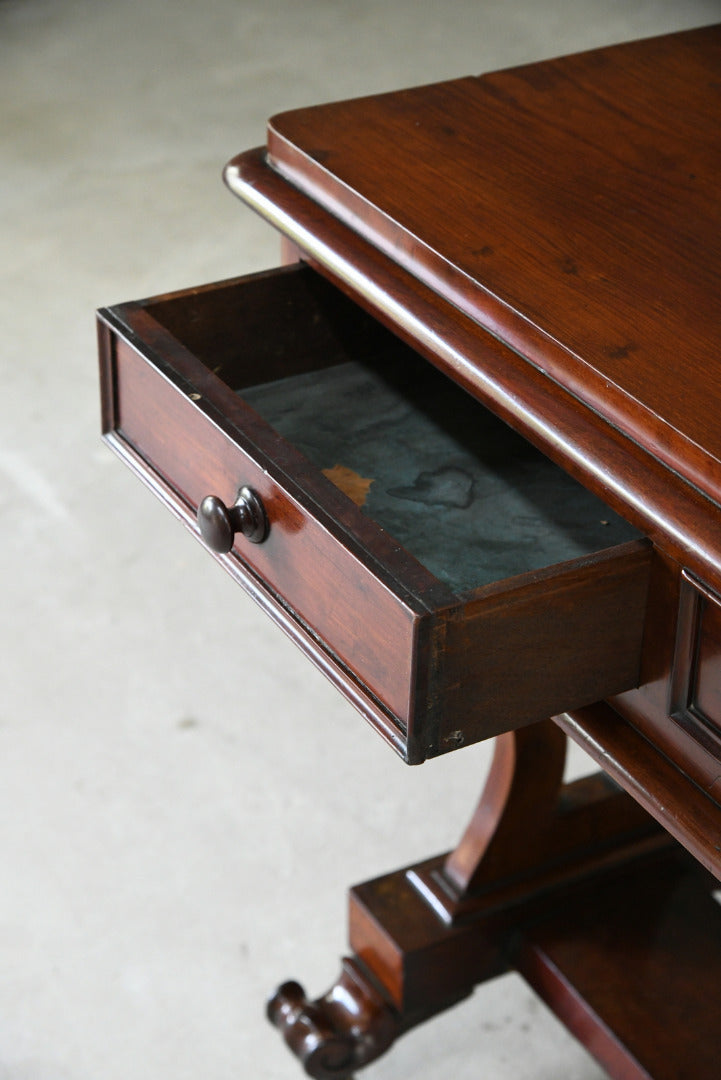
(452, 581)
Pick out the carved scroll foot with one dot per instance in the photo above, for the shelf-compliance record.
(425, 936)
(338, 1033)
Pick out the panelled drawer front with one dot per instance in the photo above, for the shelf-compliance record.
(677, 707)
(695, 696)
(434, 664)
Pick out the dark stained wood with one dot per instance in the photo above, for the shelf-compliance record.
(219, 524)
(696, 675)
(347, 1028)
(525, 798)
(303, 563)
(530, 831)
(659, 502)
(653, 779)
(263, 327)
(527, 771)
(602, 918)
(571, 207)
(527, 635)
(620, 959)
(548, 237)
(683, 525)
(667, 658)
(706, 699)
(445, 669)
(633, 973)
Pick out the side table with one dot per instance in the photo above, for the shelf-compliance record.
(463, 448)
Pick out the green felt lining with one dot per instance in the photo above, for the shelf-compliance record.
(468, 497)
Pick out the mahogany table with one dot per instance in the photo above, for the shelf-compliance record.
(464, 447)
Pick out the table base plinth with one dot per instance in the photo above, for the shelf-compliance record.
(571, 885)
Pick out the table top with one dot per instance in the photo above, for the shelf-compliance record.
(571, 207)
(549, 238)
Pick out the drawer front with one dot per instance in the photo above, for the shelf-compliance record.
(434, 660)
(334, 594)
(696, 672)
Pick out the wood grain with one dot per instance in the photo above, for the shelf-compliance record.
(570, 207)
(447, 669)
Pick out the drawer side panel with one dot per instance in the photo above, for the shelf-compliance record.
(561, 639)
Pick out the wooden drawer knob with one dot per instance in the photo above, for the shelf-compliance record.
(219, 523)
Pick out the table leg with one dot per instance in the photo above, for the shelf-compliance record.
(423, 937)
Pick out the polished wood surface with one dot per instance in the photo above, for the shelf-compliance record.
(635, 428)
(571, 885)
(436, 667)
(571, 207)
(635, 483)
(683, 524)
(633, 971)
(548, 237)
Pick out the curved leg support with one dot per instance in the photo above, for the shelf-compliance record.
(342, 1031)
(423, 937)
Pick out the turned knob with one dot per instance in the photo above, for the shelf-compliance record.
(219, 523)
(350, 1026)
(310, 1033)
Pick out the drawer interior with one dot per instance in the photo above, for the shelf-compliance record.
(464, 494)
(470, 499)
(450, 579)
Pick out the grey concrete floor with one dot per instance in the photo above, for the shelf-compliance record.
(182, 800)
